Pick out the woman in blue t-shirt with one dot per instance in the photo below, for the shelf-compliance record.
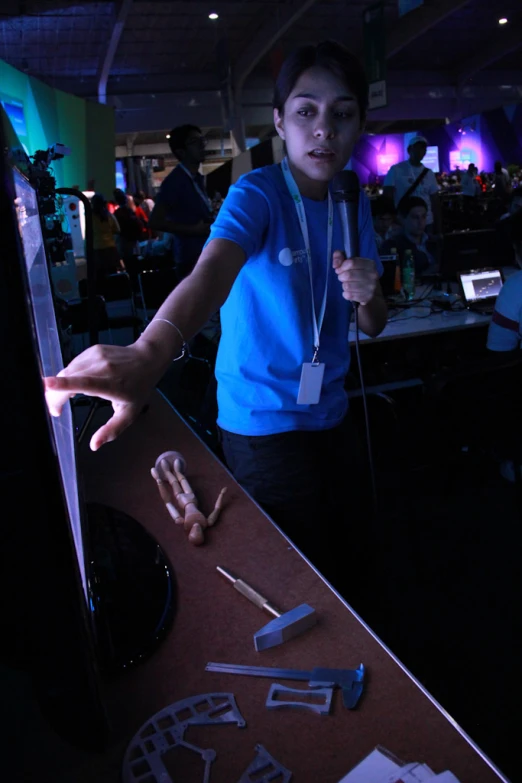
(274, 267)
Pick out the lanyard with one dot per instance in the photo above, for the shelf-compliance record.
(203, 196)
(301, 214)
(414, 174)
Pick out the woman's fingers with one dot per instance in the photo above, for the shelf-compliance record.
(60, 388)
(338, 258)
(121, 419)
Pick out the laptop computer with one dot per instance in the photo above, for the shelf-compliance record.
(480, 288)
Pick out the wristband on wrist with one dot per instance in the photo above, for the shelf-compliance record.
(184, 347)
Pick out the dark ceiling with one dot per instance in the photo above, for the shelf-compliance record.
(443, 58)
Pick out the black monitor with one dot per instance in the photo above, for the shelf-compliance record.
(84, 590)
(463, 250)
(46, 619)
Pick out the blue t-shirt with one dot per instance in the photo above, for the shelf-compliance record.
(183, 204)
(266, 321)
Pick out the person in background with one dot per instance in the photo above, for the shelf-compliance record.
(159, 247)
(131, 230)
(146, 204)
(470, 188)
(105, 228)
(413, 213)
(502, 184)
(140, 213)
(384, 217)
(505, 329)
(183, 207)
(411, 178)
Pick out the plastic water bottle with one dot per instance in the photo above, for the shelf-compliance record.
(408, 275)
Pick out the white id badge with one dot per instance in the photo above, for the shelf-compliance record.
(311, 383)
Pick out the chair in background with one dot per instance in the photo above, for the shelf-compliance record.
(154, 286)
(116, 290)
(76, 320)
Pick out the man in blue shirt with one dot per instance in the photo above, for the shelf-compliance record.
(182, 206)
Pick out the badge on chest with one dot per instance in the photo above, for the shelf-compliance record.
(312, 374)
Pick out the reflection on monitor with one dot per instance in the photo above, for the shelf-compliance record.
(50, 353)
(482, 284)
(431, 159)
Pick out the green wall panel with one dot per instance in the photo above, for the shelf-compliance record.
(100, 140)
(72, 127)
(51, 116)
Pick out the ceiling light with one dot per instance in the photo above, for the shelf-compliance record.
(503, 20)
(214, 16)
(167, 136)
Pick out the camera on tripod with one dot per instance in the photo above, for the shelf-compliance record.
(36, 168)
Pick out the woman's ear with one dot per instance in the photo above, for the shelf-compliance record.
(279, 123)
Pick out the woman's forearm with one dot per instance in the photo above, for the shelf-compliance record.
(373, 316)
(192, 302)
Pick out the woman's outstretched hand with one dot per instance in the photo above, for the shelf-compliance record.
(124, 375)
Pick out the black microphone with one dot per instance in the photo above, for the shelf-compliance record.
(345, 191)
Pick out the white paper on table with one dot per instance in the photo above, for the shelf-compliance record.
(411, 773)
(378, 767)
(374, 768)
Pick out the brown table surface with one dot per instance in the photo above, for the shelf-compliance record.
(215, 623)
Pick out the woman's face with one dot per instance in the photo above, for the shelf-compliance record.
(320, 126)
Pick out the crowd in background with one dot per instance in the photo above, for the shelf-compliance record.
(442, 203)
(413, 210)
(452, 182)
(121, 232)
(123, 238)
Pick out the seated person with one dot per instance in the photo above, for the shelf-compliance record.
(384, 220)
(412, 216)
(505, 329)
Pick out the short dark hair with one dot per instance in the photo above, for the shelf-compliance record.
(179, 135)
(406, 205)
(333, 57)
(382, 206)
(99, 207)
(119, 197)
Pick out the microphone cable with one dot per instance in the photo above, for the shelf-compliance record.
(346, 191)
(365, 408)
